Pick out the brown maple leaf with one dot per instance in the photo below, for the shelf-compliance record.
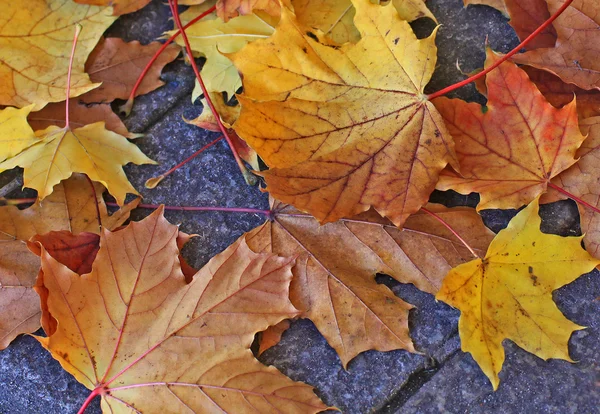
(118, 64)
(334, 278)
(510, 150)
(135, 333)
(70, 207)
(574, 59)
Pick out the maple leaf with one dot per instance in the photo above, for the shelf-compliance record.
(133, 331)
(525, 18)
(120, 7)
(118, 64)
(509, 152)
(15, 133)
(80, 114)
(212, 37)
(92, 149)
(35, 47)
(345, 128)
(508, 294)
(70, 207)
(335, 18)
(573, 60)
(581, 180)
(334, 278)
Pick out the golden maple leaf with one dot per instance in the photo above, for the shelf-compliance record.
(134, 332)
(120, 7)
(334, 279)
(345, 128)
(508, 294)
(35, 47)
(509, 152)
(72, 207)
(92, 149)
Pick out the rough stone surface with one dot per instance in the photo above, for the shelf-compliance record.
(441, 378)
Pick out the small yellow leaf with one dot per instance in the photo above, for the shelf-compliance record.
(92, 150)
(35, 47)
(508, 294)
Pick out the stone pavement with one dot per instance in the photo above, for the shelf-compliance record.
(442, 378)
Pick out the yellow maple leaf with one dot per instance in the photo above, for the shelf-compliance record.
(508, 294)
(15, 132)
(92, 150)
(345, 127)
(211, 37)
(35, 45)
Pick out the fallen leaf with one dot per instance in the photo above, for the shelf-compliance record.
(120, 7)
(15, 133)
(573, 60)
(80, 114)
(272, 335)
(496, 4)
(334, 277)
(70, 207)
(559, 93)
(118, 64)
(133, 331)
(581, 180)
(344, 128)
(525, 17)
(508, 294)
(91, 149)
(211, 37)
(39, 74)
(509, 151)
(206, 120)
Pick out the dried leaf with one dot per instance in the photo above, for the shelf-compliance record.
(573, 60)
(345, 128)
(508, 294)
(80, 114)
(120, 7)
(509, 152)
(39, 74)
(227, 9)
(91, 149)
(582, 181)
(135, 331)
(334, 278)
(559, 93)
(118, 64)
(70, 207)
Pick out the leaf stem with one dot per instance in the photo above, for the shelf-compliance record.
(248, 176)
(505, 57)
(573, 197)
(75, 38)
(449, 227)
(126, 108)
(153, 182)
(88, 400)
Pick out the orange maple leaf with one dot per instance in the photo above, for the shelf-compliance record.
(135, 333)
(510, 150)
